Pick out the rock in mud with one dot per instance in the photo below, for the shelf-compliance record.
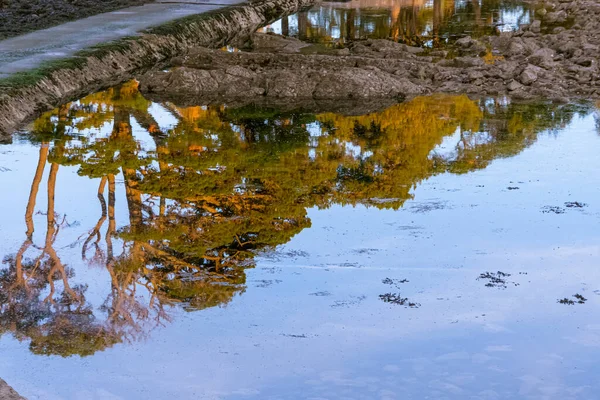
(468, 46)
(543, 57)
(529, 75)
(556, 62)
(214, 74)
(526, 64)
(536, 26)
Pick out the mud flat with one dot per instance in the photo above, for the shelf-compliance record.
(555, 57)
(23, 96)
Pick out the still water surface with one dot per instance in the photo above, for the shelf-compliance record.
(421, 251)
(428, 23)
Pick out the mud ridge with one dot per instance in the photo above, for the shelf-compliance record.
(553, 58)
(24, 96)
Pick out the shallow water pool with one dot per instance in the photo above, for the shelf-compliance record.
(439, 248)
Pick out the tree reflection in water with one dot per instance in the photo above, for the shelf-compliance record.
(414, 22)
(214, 190)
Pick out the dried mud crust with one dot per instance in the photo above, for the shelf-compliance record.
(22, 16)
(555, 57)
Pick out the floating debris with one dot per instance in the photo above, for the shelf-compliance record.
(396, 298)
(579, 299)
(496, 279)
(320, 294)
(553, 209)
(566, 301)
(390, 281)
(425, 207)
(354, 300)
(264, 283)
(575, 204)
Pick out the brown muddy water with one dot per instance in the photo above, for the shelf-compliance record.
(438, 248)
(428, 23)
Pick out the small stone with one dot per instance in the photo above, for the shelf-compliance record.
(529, 75)
(543, 57)
(467, 41)
(439, 53)
(535, 26)
(515, 48)
(474, 75)
(514, 85)
(465, 62)
(557, 17)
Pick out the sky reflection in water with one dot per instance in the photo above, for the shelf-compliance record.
(209, 252)
(417, 23)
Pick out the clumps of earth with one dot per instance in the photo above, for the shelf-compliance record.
(555, 57)
(396, 298)
(497, 279)
(576, 299)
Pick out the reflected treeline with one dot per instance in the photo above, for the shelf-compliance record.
(414, 22)
(212, 190)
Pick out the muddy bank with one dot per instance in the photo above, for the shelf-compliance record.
(22, 16)
(24, 96)
(556, 57)
(8, 393)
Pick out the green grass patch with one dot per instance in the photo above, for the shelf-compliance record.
(103, 49)
(179, 25)
(34, 76)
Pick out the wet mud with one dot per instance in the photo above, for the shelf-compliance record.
(554, 57)
(25, 96)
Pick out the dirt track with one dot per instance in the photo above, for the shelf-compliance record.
(22, 16)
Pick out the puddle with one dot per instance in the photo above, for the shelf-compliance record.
(416, 23)
(142, 240)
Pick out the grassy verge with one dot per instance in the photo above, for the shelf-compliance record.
(79, 60)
